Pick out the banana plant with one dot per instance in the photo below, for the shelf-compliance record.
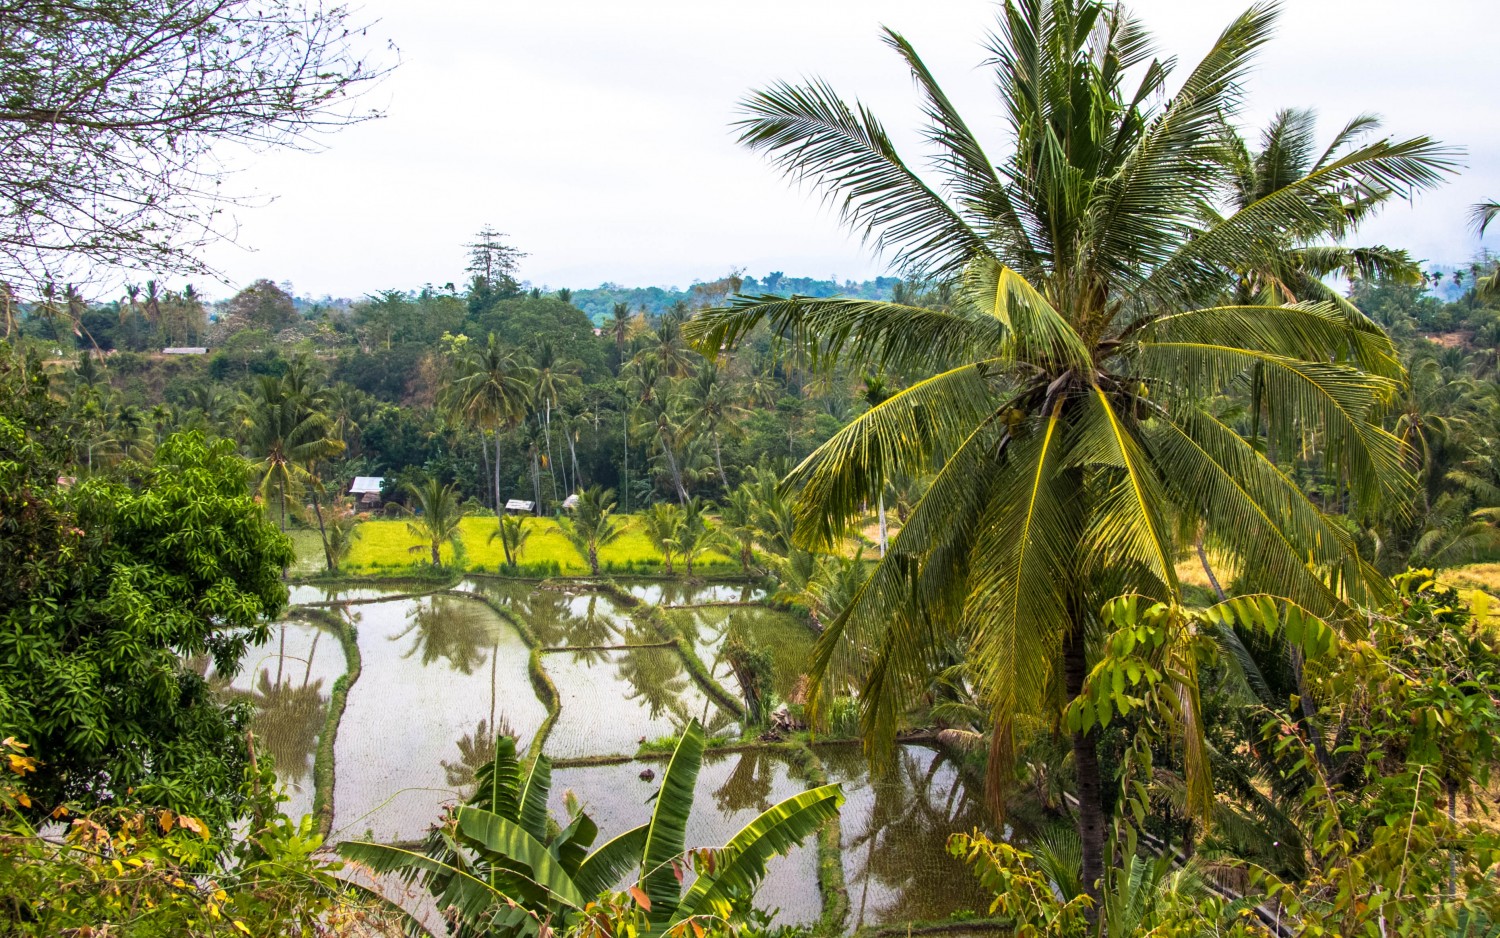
(496, 871)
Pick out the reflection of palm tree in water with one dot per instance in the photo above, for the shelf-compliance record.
(474, 750)
(905, 842)
(450, 628)
(289, 715)
(748, 786)
(657, 679)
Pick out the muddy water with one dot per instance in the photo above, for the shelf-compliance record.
(895, 828)
(732, 789)
(613, 699)
(305, 593)
(785, 635)
(564, 619)
(439, 674)
(288, 679)
(678, 593)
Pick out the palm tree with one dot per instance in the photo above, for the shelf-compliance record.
(619, 326)
(513, 534)
(591, 526)
(438, 522)
(1297, 270)
(696, 536)
(713, 410)
(1061, 398)
(551, 376)
(1486, 287)
(287, 430)
(499, 860)
(490, 389)
(663, 524)
(737, 522)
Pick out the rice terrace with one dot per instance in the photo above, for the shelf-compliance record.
(1107, 546)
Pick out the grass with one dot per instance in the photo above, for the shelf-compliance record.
(309, 547)
(387, 544)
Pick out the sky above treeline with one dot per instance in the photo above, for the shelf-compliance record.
(598, 135)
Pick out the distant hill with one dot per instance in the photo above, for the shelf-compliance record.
(600, 301)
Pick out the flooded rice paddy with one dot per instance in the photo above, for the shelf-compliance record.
(440, 673)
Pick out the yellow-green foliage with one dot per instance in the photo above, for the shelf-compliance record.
(387, 544)
(308, 544)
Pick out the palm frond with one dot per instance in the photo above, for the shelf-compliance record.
(864, 335)
(813, 135)
(1344, 402)
(740, 865)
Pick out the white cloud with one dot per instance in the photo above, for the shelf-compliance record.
(597, 133)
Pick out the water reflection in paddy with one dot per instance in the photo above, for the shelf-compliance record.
(732, 789)
(304, 593)
(439, 673)
(288, 680)
(565, 618)
(679, 593)
(785, 635)
(612, 699)
(895, 831)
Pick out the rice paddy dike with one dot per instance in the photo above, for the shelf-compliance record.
(378, 702)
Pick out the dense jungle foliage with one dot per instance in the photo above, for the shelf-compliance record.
(1142, 494)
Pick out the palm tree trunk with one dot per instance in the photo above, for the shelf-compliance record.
(1086, 766)
(499, 502)
(322, 530)
(547, 435)
(1203, 559)
(719, 462)
(884, 538)
(682, 495)
(536, 479)
(437, 557)
(484, 453)
(573, 454)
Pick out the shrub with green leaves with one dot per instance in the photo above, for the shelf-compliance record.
(106, 584)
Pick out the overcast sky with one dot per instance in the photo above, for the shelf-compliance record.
(597, 134)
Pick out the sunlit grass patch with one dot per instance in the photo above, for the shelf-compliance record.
(308, 544)
(632, 547)
(386, 544)
(1479, 576)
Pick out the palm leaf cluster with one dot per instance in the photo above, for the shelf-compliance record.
(500, 866)
(1114, 278)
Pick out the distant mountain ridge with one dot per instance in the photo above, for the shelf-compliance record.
(599, 302)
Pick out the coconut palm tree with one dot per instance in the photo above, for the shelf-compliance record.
(663, 523)
(1486, 287)
(513, 534)
(697, 535)
(591, 526)
(714, 410)
(437, 522)
(490, 390)
(551, 376)
(287, 430)
(1060, 399)
(737, 522)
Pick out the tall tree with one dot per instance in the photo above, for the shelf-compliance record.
(113, 113)
(286, 430)
(592, 526)
(1061, 401)
(489, 389)
(438, 517)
